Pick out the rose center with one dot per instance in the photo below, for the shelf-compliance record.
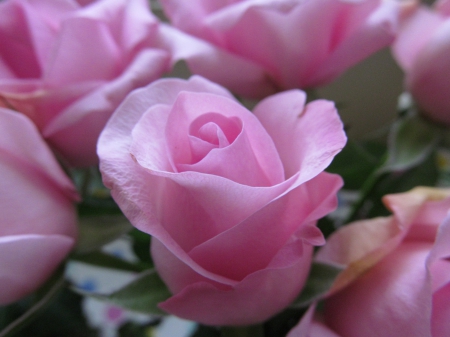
(212, 131)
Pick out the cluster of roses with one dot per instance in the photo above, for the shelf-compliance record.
(231, 198)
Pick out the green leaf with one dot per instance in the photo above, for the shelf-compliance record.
(320, 280)
(424, 174)
(96, 231)
(411, 141)
(355, 162)
(243, 331)
(41, 299)
(142, 295)
(141, 245)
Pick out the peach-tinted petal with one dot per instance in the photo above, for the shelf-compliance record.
(392, 299)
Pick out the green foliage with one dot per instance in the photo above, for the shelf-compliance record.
(320, 280)
(52, 311)
(96, 231)
(411, 140)
(142, 295)
(356, 161)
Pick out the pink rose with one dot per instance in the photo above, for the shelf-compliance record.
(231, 198)
(397, 276)
(422, 49)
(256, 47)
(37, 214)
(68, 67)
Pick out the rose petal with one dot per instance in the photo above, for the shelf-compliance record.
(137, 24)
(206, 60)
(313, 132)
(238, 252)
(415, 32)
(190, 106)
(441, 311)
(17, 18)
(20, 274)
(103, 61)
(78, 127)
(391, 299)
(21, 141)
(255, 298)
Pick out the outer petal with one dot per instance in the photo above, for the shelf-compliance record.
(391, 299)
(217, 65)
(297, 43)
(19, 272)
(28, 29)
(362, 244)
(314, 133)
(415, 32)
(255, 298)
(137, 28)
(380, 28)
(238, 251)
(20, 139)
(75, 131)
(443, 6)
(439, 266)
(428, 82)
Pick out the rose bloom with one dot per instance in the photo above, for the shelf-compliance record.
(37, 213)
(68, 67)
(231, 198)
(422, 50)
(396, 280)
(257, 47)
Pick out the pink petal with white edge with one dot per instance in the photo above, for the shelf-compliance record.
(307, 137)
(20, 274)
(253, 300)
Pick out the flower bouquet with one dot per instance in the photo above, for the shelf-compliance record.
(180, 168)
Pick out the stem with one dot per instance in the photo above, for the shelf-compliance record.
(366, 189)
(244, 331)
(28, 316)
